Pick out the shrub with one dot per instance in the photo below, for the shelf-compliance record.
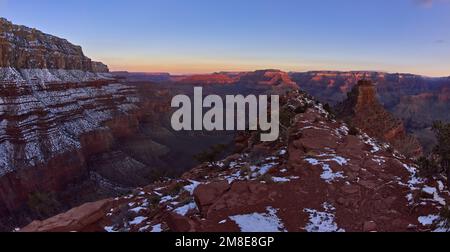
(267, 178)
(427, 167)
(329, 109)
(245, 169)
(43, 204)
(175, 189)
(442, 148)
(211, 155)
(286, 117)
(353, 131)
(445, 216)
(154, 199)
(301, 109)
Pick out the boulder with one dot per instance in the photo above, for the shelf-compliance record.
(206, 194)
(83, 218)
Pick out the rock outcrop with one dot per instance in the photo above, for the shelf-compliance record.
(417, 100)
(28, 48)
(99, 67)
(363, 110)
(57, 108)
(84, 218)
(316, 178)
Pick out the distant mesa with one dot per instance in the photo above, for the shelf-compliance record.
(207, 79)
(142, 76)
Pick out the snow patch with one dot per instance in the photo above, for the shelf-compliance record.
(428, 220)
(138, 220)
(322, 221)
(191, 188)
(328, 175)
(257, 222)
(185, 209)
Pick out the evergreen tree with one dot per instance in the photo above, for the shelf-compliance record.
(442, 148)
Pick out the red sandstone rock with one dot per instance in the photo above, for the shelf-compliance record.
(365, 112)
(370, 226)
(206, 195)
(83, 218)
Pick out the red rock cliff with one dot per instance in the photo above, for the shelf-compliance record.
(56, 109)
(365, 112)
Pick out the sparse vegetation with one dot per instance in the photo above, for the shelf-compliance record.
(286, 117)
(184, 198)
(154, 199)
(43, 204)
(301, 109)
(267, 178)
(211, 155)
(445, 217)
(175, 189)
(439, 160)
(330, 110)
(442, 149)
(245, 169)
(427, 167)
(353, 130)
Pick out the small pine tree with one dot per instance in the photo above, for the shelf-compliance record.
(353, 131)
(442, 148)
(329, 109)
(427, 167)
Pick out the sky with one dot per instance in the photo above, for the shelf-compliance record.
(202, 36)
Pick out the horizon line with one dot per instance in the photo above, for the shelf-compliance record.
(275, 69)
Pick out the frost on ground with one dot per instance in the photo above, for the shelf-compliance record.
(322, 221)
(257, 222)
(50, 97)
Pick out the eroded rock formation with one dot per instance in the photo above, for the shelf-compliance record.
(363, 110)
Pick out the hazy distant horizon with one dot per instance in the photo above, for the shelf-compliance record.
(197, 37)
(305, 71)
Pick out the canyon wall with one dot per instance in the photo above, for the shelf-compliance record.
(57, 108)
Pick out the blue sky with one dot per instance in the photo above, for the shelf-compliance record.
(197, 36)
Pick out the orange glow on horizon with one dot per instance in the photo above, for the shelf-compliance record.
(186, 69)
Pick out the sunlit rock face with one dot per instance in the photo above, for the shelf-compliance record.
(27, 48)
(57, 107)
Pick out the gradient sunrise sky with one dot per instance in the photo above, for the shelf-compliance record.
(200, 36)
